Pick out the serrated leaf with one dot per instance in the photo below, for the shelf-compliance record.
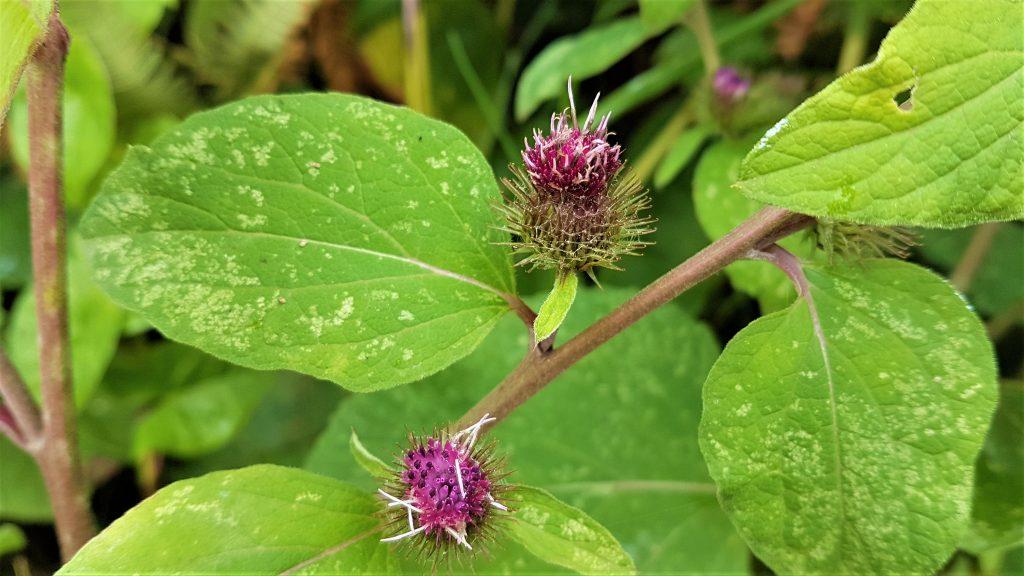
(947, 157)
(202, 417)
(323, 233)
(258, 520)
(89, 122)
(997, 515)
(563, 535)
(596, 455)
(21, 27)
(658, 13)
(94, 328)
(556, 306)
(842, 431)
(375, 466)
(581, 56)
(720, 208)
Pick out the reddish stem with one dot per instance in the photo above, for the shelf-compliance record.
(58, 457)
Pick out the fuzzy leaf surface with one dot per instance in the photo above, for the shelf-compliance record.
(948, 157)
(563, 535)
(324, 233)
(842, 434)
(259, 520)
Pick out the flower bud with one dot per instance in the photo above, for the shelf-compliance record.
(730, 86)
(572, 207)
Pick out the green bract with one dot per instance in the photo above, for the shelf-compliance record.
(842, 431)
(257, 520)
(328, 234)
(928, 134)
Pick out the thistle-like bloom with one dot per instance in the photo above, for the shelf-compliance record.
(445, 490)
(730, 86)
(849, 241)
(573, 207)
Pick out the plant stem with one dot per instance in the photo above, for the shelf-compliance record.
(855, 37)
(484, 101)
(417, 57)
(973, 256)
(699, 22)
(540, 368)
(58, 455)
(24, 416)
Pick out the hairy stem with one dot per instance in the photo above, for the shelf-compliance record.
(973, 256)
(539, 368)
(699, 22)
(58, 455)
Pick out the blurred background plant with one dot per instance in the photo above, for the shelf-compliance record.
(690, 88)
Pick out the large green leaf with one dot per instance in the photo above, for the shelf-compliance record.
(656, 13)
(614, 436)
(998, 282)
(328, 234)
(23, 497)
(842, 431)
(203, 417)
(720, 208)
(94, 326)
(998, 510)
(257, 520)
(580, 56)
(21, 26)
(89, 121)
(947, 157)
(563, 535)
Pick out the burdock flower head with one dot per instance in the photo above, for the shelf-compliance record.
(445, 491)
(573, 207)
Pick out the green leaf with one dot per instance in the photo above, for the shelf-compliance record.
(842, 431)
(94, 325)
(375, 466)
(21, 26)
(996, 285)
(998, 510)
(626, 455)
(323, 233)
(23, 498)
(657, 13)
(15, 254)
(12, 539)
(563, 535)
(581, 56)
(235, 43)
(203, 417)
(556, 306)
(720, 208)
(679, 155)
(257, 520)
(948, 157)
(89, 122)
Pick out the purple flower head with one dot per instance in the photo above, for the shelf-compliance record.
(572, 160)
(445, 489)
(730, 85)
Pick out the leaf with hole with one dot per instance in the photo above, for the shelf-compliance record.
(323, 233)
(949, 156)
(258, 520)
(842, 431)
